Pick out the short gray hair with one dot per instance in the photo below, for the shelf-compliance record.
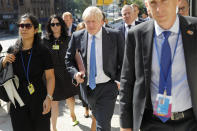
(127, 6)
(94, 12)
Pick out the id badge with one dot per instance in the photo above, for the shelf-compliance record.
(55, 47)
(31, 88)
(163, 105)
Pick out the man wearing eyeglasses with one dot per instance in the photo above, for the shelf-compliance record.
(183, 7)
(158, 79)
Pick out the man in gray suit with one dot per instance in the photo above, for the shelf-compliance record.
(129, 20)
(102, 53)
(158, 80)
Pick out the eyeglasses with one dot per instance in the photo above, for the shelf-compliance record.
(182, 9)
(55, 24)
(27, 26)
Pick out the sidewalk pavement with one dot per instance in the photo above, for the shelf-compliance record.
(64, 120)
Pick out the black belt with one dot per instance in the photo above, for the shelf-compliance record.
(174, 117)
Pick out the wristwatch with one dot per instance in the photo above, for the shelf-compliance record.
(50, 97)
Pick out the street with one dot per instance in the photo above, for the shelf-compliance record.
(64, 120)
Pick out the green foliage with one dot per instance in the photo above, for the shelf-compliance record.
(82, 4)
(138, 2)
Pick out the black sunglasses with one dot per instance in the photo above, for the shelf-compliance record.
(27, 26)
(55, 24)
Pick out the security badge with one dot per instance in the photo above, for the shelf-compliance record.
(31, 88)
(55, 47)
(163, 105)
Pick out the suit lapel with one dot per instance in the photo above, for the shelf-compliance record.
(147, 45)
(105, 49)
(84, 45)
(190, 46)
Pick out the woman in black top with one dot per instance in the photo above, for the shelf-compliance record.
(57, 42)
(30, 61)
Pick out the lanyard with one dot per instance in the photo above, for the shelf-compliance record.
(159, 60)
(26, 71)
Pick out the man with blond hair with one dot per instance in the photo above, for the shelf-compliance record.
(68, 19)
(102, 53)
(136, 12)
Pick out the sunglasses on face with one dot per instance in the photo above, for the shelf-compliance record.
(55, 24)
(27, 26)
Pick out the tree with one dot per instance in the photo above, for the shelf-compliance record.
(82, 4)
(138, 2)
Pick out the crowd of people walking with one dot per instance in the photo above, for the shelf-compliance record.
(149, 62)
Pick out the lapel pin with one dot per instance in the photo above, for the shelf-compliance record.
(189, 32)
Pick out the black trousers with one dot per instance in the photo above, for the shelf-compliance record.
(152, 123)
(23, 119)
(102, 102)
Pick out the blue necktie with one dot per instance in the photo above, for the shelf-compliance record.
(92, 73)
(165, 69)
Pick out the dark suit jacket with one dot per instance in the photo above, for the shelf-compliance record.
(122, 28)
(73, 28)
(112, 47)
(136, 71)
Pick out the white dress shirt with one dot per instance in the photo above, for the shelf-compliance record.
(101, 77)
(69, 30)
(127, 28)
(181, 98)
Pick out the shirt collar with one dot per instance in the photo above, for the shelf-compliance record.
(97, 35)
(173, 29)
(133, 23)
(126, 25)
(137, 19)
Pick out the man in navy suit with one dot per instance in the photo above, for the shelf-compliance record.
(68, 19)
(158, 79)
(136, 12)
(102, 53)
(129, 20)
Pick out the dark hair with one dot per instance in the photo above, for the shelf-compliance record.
(1, 48)
(63, 27)
(32, 18)
(18, 45)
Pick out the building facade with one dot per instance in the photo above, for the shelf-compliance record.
(10, 10)
(42, 9)
(8, 13)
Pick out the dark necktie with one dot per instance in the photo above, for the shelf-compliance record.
(129, 26)
(92, 73)
(165, 80)
(165, 64)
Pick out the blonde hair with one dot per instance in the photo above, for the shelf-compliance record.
(94, 12)
(67, 14)
(80, 26)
